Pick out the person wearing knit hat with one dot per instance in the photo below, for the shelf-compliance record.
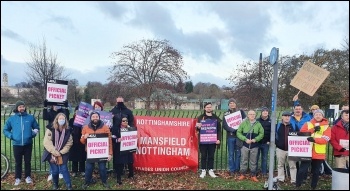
(320, 131)
(312, 109)
(78, 157)
(21, 128)
(233, 143)
(19, 103)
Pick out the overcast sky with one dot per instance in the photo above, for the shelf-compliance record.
(213, 37)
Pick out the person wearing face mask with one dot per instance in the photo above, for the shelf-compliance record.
(21, 128)
(98, 106)
(57, 143)
(96, 126)
(119, 111)
(207, 151)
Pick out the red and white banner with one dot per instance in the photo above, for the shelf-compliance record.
(166, 144)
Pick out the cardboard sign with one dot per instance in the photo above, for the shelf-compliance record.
(234, 119)
(97, 147)
(309, 78)
(344, 143)
(56, 91)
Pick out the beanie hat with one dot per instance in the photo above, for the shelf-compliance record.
(94, 112)
(99, 104)
(18, 103)
(231, 100)
(319, 111)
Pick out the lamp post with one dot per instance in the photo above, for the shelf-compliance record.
(273, 61)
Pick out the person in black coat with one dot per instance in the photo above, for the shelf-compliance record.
(78, 156)
(264, 143)
(120, 110)
(120, 158)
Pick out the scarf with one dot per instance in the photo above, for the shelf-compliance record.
(58, 141)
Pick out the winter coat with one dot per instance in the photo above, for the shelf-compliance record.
(339, 132)
(246, 131)
(122, 111)
(266, 124)
(121, 157)
(49, 145)
(19, 128)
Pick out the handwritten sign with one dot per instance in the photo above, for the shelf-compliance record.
(208, 132)
(234, 119)
(309, 78)
(129, 140)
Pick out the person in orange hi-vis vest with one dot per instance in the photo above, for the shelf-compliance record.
(320, 135)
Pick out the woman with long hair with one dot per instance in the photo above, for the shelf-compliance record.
(57, 143)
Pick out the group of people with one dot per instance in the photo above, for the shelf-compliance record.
(252, 139)
(64, 141)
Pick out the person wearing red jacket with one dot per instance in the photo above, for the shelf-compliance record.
(320, 135)
(340, 134)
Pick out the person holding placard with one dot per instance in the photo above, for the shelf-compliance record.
(340, 140)
(250, 132)
(209, 128)
(320, 135)
(122, 157)
(96, 126)
(57, 143)
(234, 151)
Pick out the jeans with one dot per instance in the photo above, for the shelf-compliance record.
(59, 169)
(19, 152)
(263, 149)
(63, 168)
(234, 155)
(102, 171)
(207, 155)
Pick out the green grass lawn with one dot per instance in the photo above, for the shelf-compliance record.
(166, 181)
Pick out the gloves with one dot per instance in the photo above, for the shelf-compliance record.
(311, 139)
(342, 150)
(317, 128)
(35, 131)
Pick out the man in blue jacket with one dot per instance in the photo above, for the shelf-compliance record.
(21, 128)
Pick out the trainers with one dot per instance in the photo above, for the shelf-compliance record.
(253, 178)
(60, 176)
(204, 172)
(241, 177)
(29, 180)
(83, 174)
(17, 181)
(74, 174)
(212, 174)
(49, 178)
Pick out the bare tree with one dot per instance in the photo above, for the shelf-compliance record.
(42, 67)
(145, 64)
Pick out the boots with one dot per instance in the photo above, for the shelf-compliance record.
(119, 179)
